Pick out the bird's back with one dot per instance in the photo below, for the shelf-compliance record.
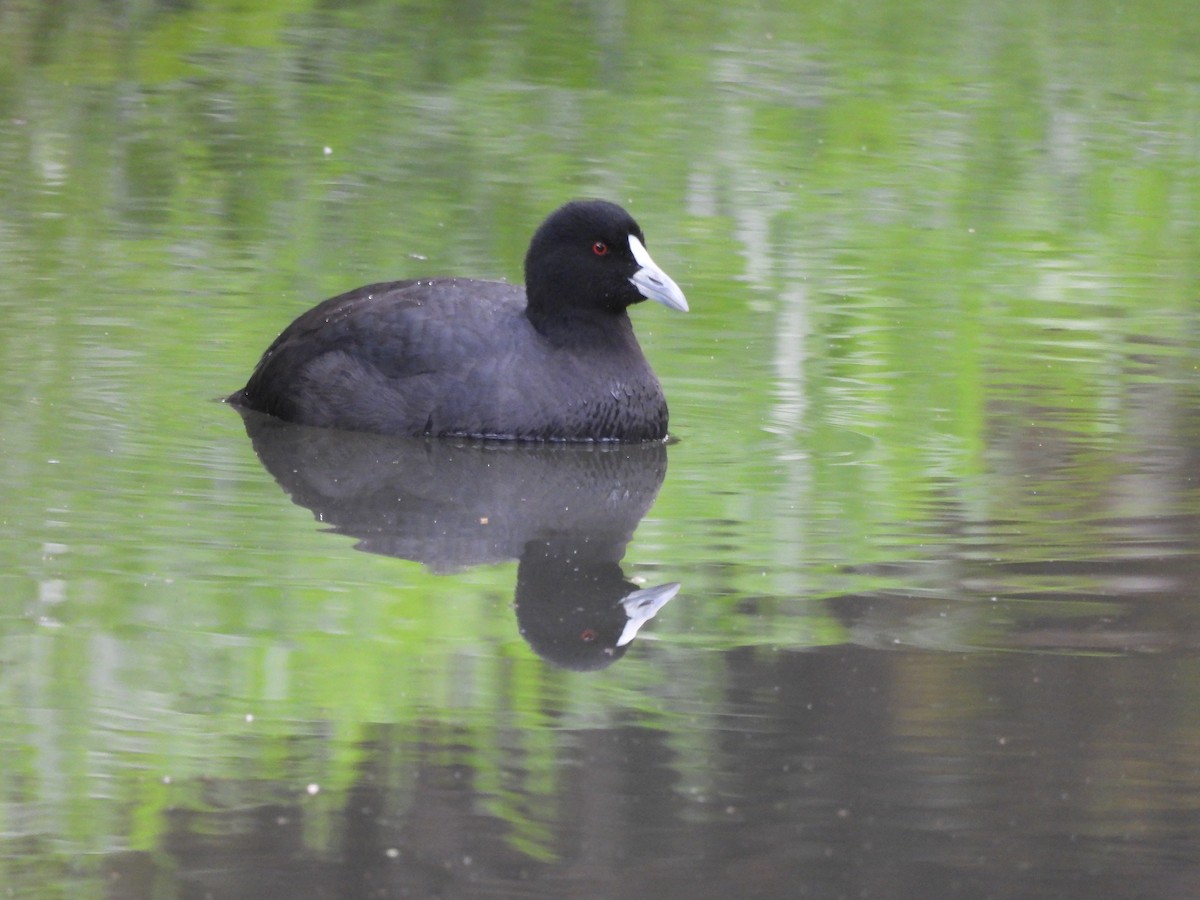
(456, 357)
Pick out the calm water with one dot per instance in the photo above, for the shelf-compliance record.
(913, 592)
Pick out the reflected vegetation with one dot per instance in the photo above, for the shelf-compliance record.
(935, 498)
(566, 512)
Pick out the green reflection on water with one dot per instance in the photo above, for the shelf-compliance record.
(943, 266)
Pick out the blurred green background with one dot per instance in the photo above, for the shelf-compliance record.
(944, 267)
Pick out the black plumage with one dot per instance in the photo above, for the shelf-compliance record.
(555, 360)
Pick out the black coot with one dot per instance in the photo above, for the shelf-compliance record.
(556, 360)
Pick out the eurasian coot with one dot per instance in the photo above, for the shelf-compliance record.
(556, 360)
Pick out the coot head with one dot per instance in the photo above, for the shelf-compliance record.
(590, 256)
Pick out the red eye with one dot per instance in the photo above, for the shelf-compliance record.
(600, 248)
(588, 635)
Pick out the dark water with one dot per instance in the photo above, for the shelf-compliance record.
(908, 608)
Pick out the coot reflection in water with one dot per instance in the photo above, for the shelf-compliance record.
(565, 511)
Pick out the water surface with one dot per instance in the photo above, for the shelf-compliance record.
(922, 559)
